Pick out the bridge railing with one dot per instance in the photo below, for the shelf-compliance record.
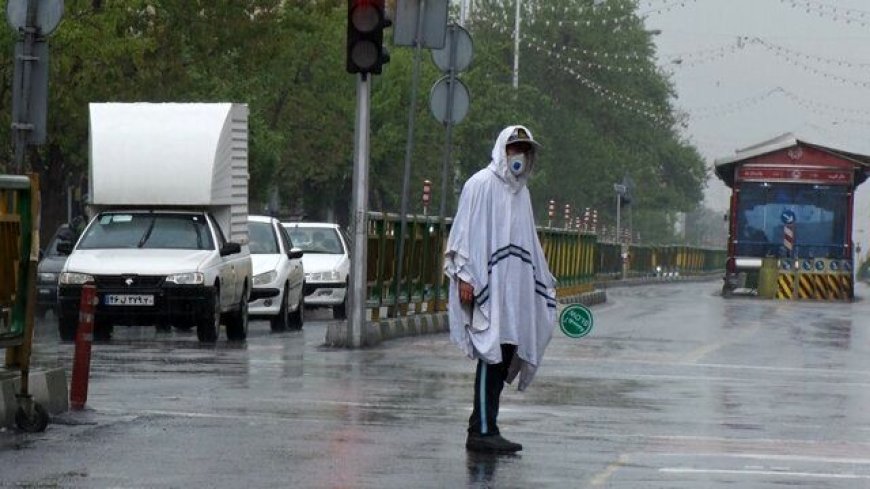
(577, 259)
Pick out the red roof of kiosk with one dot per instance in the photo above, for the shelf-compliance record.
(788, 159)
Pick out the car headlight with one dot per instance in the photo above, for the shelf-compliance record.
(189, 278)
(265, 278)
(72, 278)
(46, 277)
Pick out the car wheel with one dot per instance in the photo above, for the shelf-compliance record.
(237, 326)
(282, 320)
(297, 317)
(209, 322)
(67, 326)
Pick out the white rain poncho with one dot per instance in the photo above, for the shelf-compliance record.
(493, 245)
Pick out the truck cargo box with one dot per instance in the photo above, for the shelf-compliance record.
(170, 156)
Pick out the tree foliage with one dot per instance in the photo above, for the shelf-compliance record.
(286, 60)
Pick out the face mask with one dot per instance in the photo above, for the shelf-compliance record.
(517, 164)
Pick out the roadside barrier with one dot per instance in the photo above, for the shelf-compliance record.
(81, 372)
(576, 258)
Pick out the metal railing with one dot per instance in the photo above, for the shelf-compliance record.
(577, 259)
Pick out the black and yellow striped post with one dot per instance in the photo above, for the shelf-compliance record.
(785, 280)
(805, 286)
(785, 286)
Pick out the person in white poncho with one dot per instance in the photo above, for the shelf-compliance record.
(502, 298)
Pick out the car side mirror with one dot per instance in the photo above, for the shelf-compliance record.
(64, 247)
(231, 249)
(295, 253)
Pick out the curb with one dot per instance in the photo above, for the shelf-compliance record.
(377, 332)
(598, 296)
(632, 282)
(48, 387)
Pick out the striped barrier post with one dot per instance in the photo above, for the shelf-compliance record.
(81, 371)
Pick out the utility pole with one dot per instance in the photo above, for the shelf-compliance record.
(517, 47)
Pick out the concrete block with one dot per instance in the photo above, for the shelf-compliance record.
(414, 326)
(426, 324)
(371, 334)
(48, 388)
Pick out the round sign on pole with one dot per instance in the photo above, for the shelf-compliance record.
(576, 321)
(48, 14)
(464, 50)
(440, 94)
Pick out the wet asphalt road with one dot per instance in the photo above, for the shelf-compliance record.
(675, 388)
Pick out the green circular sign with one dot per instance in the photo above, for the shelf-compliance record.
(576, 321)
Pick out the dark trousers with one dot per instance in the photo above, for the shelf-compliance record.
(488, 384)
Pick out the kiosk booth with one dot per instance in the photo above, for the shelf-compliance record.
(790, 219)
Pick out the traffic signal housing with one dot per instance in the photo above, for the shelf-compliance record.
(366, 21)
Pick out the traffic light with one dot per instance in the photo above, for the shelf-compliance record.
(366, 21)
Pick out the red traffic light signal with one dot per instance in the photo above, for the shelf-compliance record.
(366, 21)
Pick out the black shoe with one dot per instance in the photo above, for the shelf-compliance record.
(490, 444)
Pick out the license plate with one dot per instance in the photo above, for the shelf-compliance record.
(128, 300)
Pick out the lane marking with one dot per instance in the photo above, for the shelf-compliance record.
(809, 475)
(776, 457)
(608, 472)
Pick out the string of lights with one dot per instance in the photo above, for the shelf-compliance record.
(809, 57)
(808, 68)
(847, 15)
(704, 56)
(828, 109)
(591, 64)
(585, 9)
(844, 114)
(791, 56)
(589, 53)
(731, 107)
(556, 53)
(646, 109)
(667, 7)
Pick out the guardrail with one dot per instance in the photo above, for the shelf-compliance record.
(577, 259)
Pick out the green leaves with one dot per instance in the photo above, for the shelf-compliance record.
(588, 89)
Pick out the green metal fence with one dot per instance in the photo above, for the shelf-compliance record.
(577, 259)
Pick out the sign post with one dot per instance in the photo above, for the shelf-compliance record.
(34, 20)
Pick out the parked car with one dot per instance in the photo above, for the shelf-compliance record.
(279, 276)
(327, 264)
(50, 264)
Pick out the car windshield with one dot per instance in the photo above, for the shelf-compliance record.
(149, 231)
(316, 239)
(262, 239)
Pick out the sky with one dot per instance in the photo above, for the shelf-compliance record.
(748, 70)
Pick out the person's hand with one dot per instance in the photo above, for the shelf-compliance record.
(466, 292)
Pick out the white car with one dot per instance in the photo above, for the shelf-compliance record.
(279, 274)
(327, 264)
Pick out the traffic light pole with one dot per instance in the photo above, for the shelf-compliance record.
(357, 285)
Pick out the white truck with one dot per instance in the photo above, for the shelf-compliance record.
(168, 245)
